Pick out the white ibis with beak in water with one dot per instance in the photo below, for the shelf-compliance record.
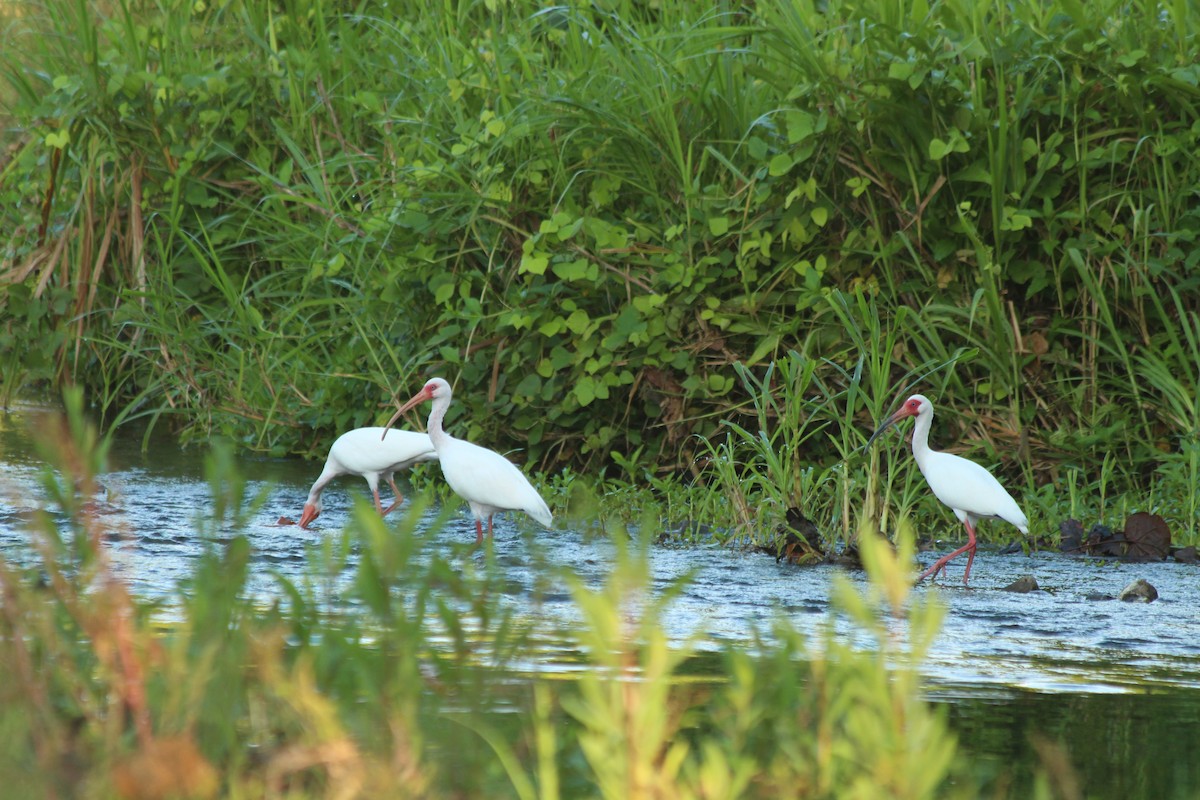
(969, 489)
(362, 451)
(488, 481)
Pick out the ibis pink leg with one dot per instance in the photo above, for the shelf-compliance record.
(940, 564)
(479, 529)
(971, 552)
(399, 498)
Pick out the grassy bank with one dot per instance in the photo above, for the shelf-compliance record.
(615, 224)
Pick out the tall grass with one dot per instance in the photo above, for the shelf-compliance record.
(264, 222)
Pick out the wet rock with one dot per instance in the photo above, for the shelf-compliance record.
(285, 521)
(1139, 591)
(1099, 596)
(1022, 585)
(1186, 555)
(1148, 537)
(1012, 549)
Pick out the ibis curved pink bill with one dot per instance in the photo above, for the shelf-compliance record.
(364, 452)
(488, 481)
(970, 491)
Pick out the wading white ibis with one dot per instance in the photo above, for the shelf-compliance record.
(488, 481)
(363, 451)
(969, 489)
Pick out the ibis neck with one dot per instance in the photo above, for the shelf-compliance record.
(437, 434)
(314, 494)
(920, 439)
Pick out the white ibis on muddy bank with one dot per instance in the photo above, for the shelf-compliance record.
(967, 488)
(488, 481)
(364, 452)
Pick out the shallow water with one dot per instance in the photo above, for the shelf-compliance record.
(1004, 664)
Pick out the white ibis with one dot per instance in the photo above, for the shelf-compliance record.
(362, 451)
(488, 481)
(969, 489)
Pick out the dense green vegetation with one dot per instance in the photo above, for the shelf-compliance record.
(691, 252)
(606, 222)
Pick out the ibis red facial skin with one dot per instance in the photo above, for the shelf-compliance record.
(488, 481)
(364, 451)
(970, 491)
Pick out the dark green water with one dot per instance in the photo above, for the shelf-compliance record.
(1115, 685)
(1127, 745)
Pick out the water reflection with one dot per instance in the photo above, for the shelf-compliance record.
(1120, 745)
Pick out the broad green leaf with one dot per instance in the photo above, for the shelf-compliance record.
(800, 125)
(585, 390)
(534, 264)
(443, 288)
(530, 385)
(571, 270)
(647, 302)
(577, 323)
(552, 327)
(570, 229)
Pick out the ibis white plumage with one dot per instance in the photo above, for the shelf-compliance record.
(488, 481)
(364, 451)
(967, 488)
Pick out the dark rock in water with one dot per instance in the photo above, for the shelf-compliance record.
(1072, 536)
(1022, 585)
(1139, 591)
(1097, 596)
(1186, 555)
(1012, 548)
(1148, 537)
